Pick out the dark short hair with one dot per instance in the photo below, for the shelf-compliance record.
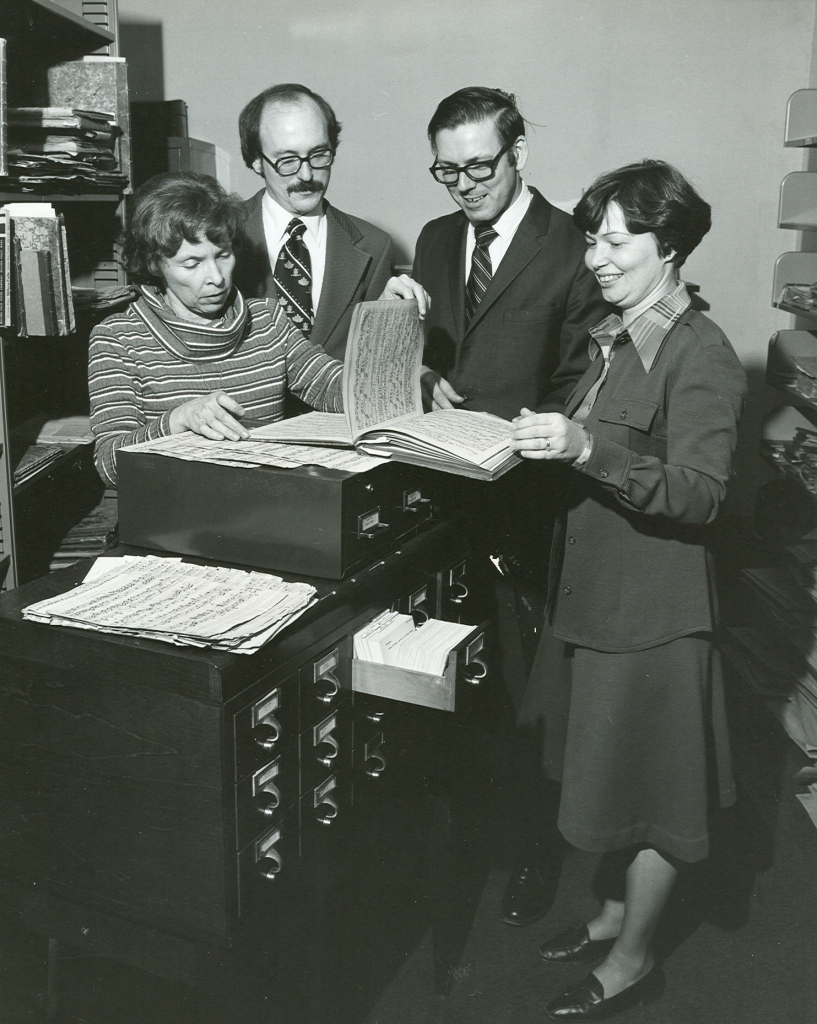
(249, 120)
(172, 208)
(654, 196)
(476, 103)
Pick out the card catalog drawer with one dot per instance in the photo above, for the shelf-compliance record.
(465, 667)
(266, 727)
(324, 681)
(326, 746)
(263, 797)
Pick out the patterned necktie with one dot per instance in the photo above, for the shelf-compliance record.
(481, 272)
(293, 277)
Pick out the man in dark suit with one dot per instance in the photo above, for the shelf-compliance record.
(294, 246)
(511, 306)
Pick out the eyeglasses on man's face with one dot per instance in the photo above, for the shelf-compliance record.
(286, 166)
(477, 170)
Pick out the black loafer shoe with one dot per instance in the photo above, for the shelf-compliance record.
(586, 1000)
(528, 895)
(574, 946)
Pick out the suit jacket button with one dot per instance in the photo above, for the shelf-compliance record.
(603, 474)
(623, 414)
(566, 590)
(571, 540)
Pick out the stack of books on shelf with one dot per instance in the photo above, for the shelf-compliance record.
(394, 639)
(801, 296)
(799, 376)
(63, 149)
(777, 654)
(33, 460)
(91, 536)
(35, 297)
(797, 457)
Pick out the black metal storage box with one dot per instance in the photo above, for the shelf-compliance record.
(310, 520)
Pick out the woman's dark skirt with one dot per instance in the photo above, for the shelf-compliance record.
(638, 741)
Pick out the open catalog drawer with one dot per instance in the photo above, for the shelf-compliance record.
(465, 667)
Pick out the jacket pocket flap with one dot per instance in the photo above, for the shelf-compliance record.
(534, 314)
(630, 412)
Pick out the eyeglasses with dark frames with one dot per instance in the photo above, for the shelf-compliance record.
(478, 170)
(287, 166)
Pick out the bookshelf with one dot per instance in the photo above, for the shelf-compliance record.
(776, 651)
(45, 376)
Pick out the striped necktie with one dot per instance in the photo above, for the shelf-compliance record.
(481, 272)
(293, 277)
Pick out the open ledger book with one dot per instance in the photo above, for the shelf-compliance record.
(384, 408)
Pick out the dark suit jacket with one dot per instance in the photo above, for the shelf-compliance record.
(635, 567)
(527, 344)
(359, 260)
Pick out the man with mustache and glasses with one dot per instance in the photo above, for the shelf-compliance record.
(511, 307)
(294, 246)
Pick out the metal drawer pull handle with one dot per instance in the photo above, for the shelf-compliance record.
(329, 815)
(475, 670)
(375, 716)
(333, 687)
(269, 799)
(419, 614)
(458, 596)
(267, 733)
(380, 766)
(330, 740)
(270, 865)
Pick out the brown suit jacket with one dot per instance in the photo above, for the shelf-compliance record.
(359, 260)
(630, 567)
(527, 343)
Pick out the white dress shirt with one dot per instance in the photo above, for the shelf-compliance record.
(276, 220)
(505, 228)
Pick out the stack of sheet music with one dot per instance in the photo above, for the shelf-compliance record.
(193, 448)
(799, 376)
(189, 605)
(393, 639)
(63, 149)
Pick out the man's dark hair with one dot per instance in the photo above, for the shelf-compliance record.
(249, 120)
(476, 103)
(172, 208)
(654, 196)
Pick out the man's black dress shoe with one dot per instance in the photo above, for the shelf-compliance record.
(529, 894)
(574, 946)
(586, 1000)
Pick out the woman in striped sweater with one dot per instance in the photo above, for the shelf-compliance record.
(191, 353)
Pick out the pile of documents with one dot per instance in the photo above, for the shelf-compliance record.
(797, 457)
(394, 639)
(189, 605)
(63, 149)
(801, 296)
(799, 376)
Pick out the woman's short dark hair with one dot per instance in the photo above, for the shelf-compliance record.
(176, 207)
(476, 103)
(249, 120)
(654, 196)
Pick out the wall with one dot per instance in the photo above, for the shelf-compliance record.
(701, 83)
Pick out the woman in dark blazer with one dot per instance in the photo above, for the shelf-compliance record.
(635, 725)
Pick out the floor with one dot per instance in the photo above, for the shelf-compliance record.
(738, 947)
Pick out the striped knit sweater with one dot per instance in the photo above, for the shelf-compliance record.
(134, 383)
